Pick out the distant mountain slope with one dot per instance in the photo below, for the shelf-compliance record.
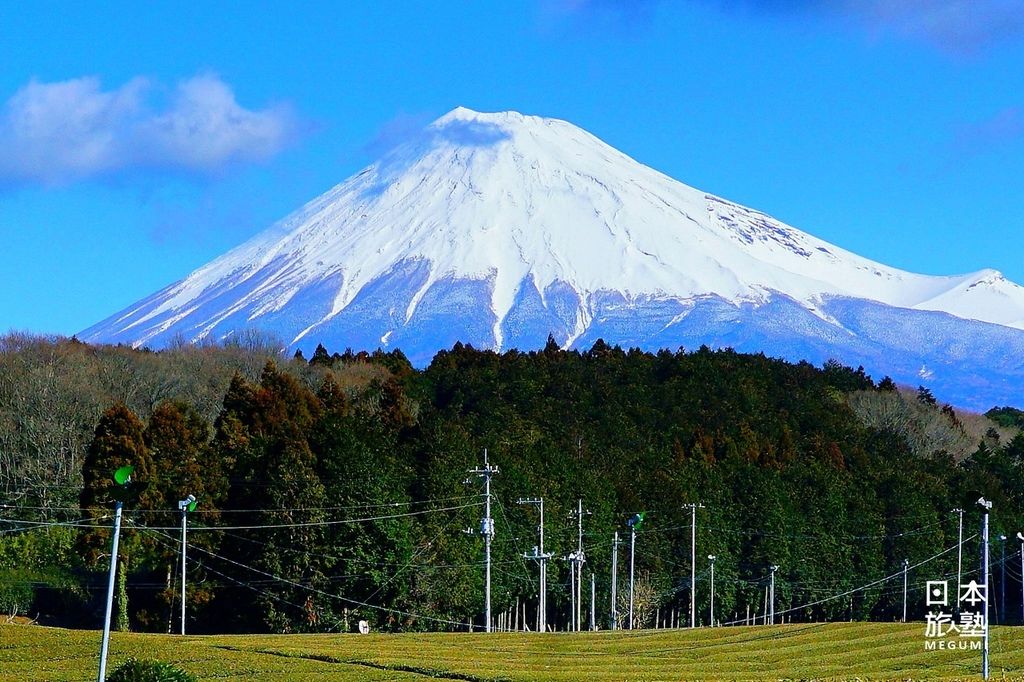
(498, 229)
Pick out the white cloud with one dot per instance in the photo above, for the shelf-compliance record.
(71, 130)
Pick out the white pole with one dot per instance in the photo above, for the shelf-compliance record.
(579, 567)
(693, 561)
(984, 569)
(906, 564)
(572, 596)
(184, 506)
(593, 598)
(1002, 581)
(104, 647)
(541, 558)
(543, 623)
(488, 531)
(1021, 537)
(693, 565)
(632, 550)
(615, 581)
(543, 575)
(184, 527)
(711, 558)
(959, 546)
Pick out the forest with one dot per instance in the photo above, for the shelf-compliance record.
(337, 488)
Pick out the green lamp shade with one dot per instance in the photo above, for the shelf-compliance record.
(123, 474)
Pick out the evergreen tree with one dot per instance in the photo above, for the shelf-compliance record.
(178, 439)
(117, 442)
(262, 432)
(320, 356)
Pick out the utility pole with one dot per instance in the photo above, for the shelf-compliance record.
(185, 506)
(633, 523)
(577, 559)
(959, 546)
(771, 596)
(986, 506)
(487, 530)
(579, 564)
(711, 558)
(541, 558)
(693, 561)
(906, 566)
(615, 581)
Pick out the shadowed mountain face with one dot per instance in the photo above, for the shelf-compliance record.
(499, 229)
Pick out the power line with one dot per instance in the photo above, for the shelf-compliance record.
(79, 523)
(310, 588)
(863, 587)
(344, 557)
(267, 510)
(799, 536)
(332, 522)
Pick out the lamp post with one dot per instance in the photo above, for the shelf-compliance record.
(711, 558)
(959, 546)
(614, 616)
(906, 567)
(771, 597)
(633, 523)
(986, 506)
(123, 479)
(184, 506)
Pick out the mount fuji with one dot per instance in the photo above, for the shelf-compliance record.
(499, 229)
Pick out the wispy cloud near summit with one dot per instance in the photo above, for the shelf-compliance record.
(61, 132)
(961, 27)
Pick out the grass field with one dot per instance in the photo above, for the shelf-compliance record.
(849, 651)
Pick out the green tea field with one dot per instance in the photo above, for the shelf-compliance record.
(849, 651)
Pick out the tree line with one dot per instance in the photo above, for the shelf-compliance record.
(332, 490)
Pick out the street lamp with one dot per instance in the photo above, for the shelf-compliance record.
(184, 506)
(906, 567)
(634, 523)
(711, 558)
(771, 593)
(123, 489)
(986, 506)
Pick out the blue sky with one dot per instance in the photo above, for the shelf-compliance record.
(140, 140)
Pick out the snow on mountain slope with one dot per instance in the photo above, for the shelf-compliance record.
(500, 228)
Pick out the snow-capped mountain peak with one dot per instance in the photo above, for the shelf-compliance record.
(498, 228)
